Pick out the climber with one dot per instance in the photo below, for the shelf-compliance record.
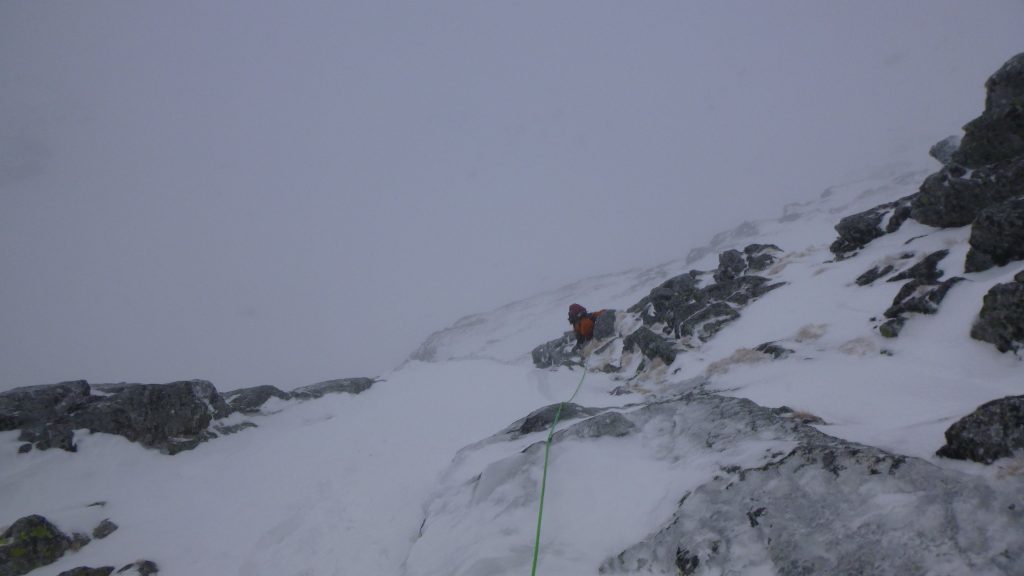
(583, 323)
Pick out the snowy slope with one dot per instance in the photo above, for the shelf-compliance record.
(414, 476)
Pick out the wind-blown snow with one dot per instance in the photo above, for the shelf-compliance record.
(379, 483)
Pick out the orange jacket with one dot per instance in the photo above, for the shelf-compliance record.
(584, 327)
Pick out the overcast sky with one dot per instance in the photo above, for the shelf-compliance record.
(283, 192)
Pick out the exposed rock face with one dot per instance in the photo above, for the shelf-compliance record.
(995, 430)
(922, 294)
(650, 344)
(170, 417)
(857, 230)
(340, 386)
(686, 308)
(998, 134)
(997, 236)
(249, 400)
(140, 568)
(1001, 320)
(604, 326)
(29, 543)
(29, 405)
(988, 167)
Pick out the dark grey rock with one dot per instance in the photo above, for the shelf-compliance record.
(650, 344)
(141, 567)
(944, 149)
(684, 308)
(998, 133)
(731, 264)
(606, 424)
(604, 326)
(233, 428)
(926, 271)
(874, 274)
(774, 350)
(79, 541)
(997, 235)
(31, 405)
(170, 417)
(857, 230)
(761, 256)
(104, 529)
(995, 430)
(86, 571)
(46, 435)
(541, 419)
(920, 298)
(340, 386)
(31, 542)
(1001, 320)
(24, 448)
(953, 197)
(249, 400)
(557, 352)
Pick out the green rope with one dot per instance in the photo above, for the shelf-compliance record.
(544, 479)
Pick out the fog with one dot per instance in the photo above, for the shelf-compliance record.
(280, 193)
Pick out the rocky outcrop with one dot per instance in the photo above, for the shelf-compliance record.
(988, 166)
(1001, 320)
(802, 503)
(29, 543)
(140, 568)
(169, 417)
(557, 352)
(651, 345)
(995, 430)
(542, 418)
(921, 294)
(687, 307)
(250, 400)
(998, 134)
(997, 235)
(857, 230)
(339, 386)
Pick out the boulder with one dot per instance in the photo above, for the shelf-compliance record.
(921, 294)
(997, 236)
(249, 400)
(650, 344)
(29, 543)
(944, 149)
(857, 230)
(140, 568)
(170, 417)
(339, 386)
(542, 418)
(873, 274)
(104, 529)
(995, 430)
(557, 352)
(604, 327)
(761, 256)
(1001, 320)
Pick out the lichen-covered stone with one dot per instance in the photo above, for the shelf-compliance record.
(995, 430)
(31, 542)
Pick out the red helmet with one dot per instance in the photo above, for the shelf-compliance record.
(576, 312)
